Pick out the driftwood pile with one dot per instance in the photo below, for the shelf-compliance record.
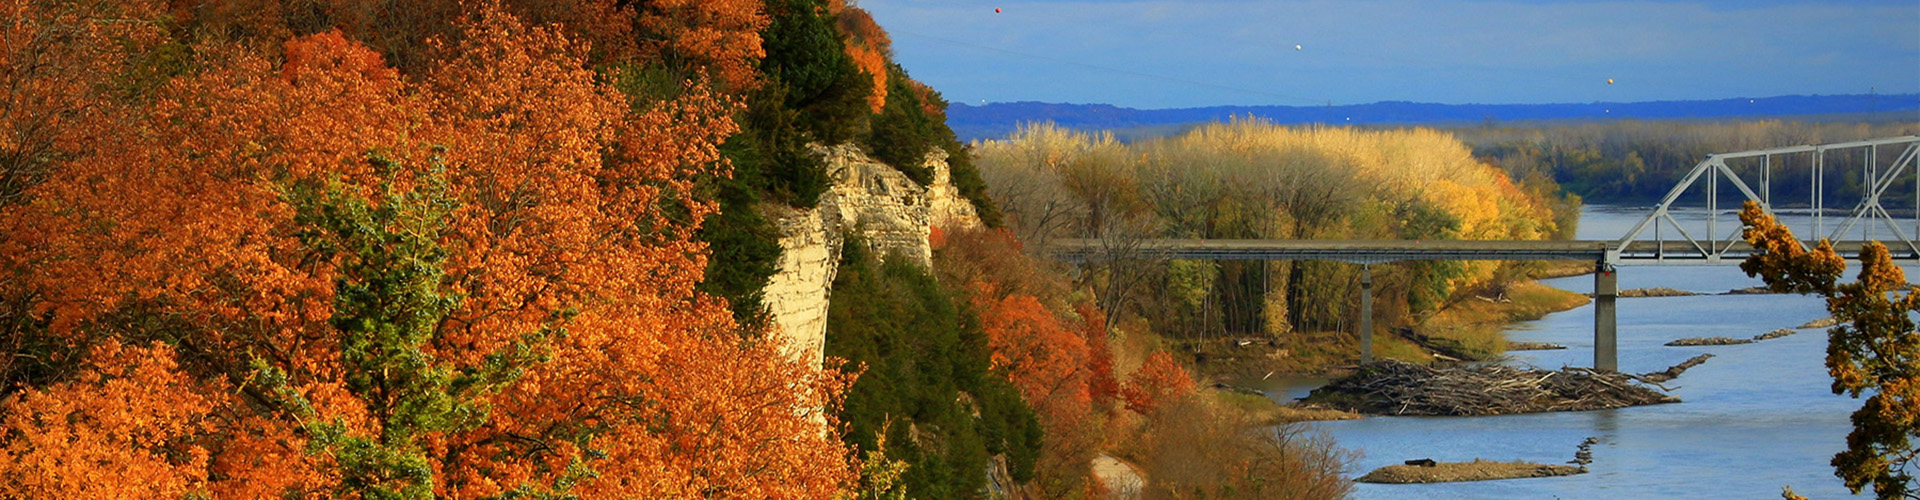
(1398, 388)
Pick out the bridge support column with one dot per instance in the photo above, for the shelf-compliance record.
(1366, 314)
(1606, 287)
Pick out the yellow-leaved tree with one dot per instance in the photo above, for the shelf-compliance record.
(1874, 350)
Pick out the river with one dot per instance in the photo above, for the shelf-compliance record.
(1754, 418)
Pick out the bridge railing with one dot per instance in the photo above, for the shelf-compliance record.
(1383, 251)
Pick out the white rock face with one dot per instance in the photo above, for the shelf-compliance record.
(796, 296)
(945, 205)
(891, 213)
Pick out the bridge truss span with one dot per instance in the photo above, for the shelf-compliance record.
(1861, 161)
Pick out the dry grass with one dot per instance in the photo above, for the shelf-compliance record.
(1203, 447)
(1477, 323)
(1266, 412)
(1559, 269)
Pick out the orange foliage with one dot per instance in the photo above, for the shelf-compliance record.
(1871, 352)
(123, 429)
(568, 243)
(59, 68)
(869, 47)
(1043, 359)
(1159, 381)
(1101, 384)
(715, 38)
(1049, 365)
(720, 35)
(1056, 356)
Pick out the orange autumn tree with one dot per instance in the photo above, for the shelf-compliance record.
(1160, 382)
(63, 72)
(1048, 363)
(1040, 355)
(310, 276)
(868, 45)
(1054, 354)
(722, 36)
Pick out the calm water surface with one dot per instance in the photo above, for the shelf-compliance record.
(1754, 418)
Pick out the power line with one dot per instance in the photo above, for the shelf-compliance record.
(1293, 98)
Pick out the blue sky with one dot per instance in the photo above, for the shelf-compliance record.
(1187, 53)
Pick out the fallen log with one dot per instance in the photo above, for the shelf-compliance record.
(1674, 371)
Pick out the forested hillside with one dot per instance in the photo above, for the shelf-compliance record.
(440, 248)
(516, 249)
(348, 249)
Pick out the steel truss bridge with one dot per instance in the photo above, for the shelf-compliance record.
(1659, 238)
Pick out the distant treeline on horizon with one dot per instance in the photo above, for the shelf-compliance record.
(996, 120)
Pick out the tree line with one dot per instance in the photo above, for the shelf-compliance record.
(1637, 162)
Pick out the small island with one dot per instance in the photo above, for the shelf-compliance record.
(1477, 470)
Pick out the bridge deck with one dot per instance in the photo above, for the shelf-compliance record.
(1379, 251)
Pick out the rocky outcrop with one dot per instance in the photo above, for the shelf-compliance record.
(891, 213)
(945, 205)
(796, 295)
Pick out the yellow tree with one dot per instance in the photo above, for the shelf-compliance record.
(1874, 349)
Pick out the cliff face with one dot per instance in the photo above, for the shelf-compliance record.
(890, 212)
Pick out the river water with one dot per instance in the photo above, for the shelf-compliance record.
(1754, 418)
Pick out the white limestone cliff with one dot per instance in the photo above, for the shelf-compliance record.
(890, 212)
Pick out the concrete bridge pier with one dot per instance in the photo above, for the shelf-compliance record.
(1606, 287)
(1366, 314)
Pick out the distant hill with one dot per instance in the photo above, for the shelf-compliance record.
(998, 119)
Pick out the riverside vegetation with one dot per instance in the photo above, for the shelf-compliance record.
(1252, 179)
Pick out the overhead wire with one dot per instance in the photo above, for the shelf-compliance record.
(1141, 74)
